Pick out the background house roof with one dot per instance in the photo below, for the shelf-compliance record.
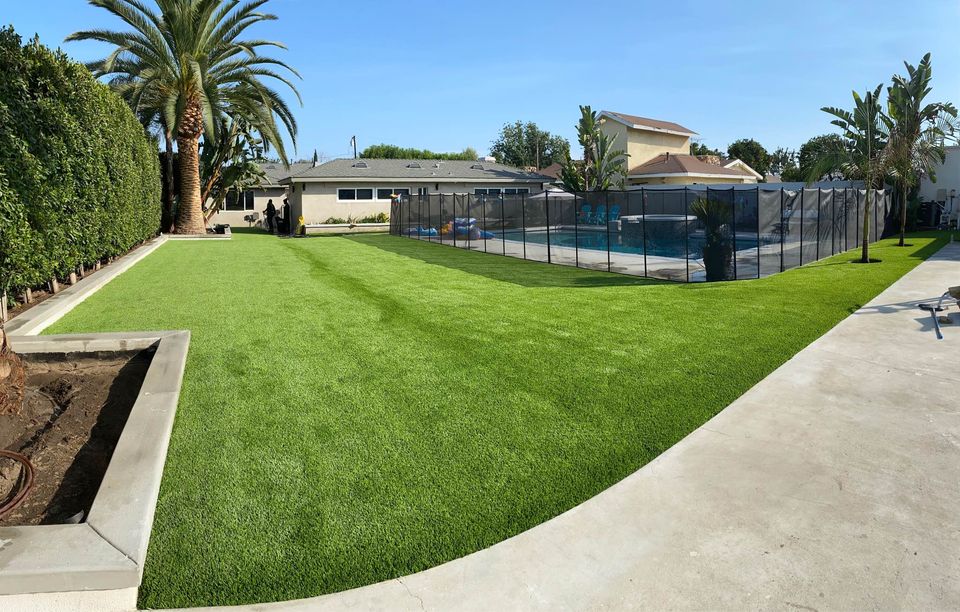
(416, 169)
(649, 124)
(671, 163)
(276, 172)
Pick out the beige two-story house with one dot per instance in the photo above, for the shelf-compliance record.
(659, 154)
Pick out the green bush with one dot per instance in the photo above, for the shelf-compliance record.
(333, 220)
(380, 217)
(79, 179)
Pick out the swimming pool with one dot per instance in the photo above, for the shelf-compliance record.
(597, 240)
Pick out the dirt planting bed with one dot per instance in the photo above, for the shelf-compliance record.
(74, 410)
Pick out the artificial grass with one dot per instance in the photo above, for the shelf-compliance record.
(357, 409)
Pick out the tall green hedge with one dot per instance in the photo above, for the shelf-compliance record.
(79, 179)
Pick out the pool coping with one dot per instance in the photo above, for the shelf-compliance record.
(107, 551)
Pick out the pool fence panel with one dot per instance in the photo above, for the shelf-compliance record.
(749, 231)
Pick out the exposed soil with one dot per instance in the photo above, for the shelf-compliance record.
(75, 407)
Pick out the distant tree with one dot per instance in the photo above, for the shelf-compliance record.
(524, 144)
(810, 154)
(698, 148)
(782, 160)
(389, 151)
(752, 153)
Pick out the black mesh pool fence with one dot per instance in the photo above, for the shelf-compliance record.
(692, 233)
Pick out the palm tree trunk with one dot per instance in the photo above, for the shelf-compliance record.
(865, 246)
(190, 212)
(166, 219)
(903, 213)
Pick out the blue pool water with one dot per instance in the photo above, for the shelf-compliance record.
(663, 247)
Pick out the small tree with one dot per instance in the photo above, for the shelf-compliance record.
(526, 145)
(698, 148)
(861, 152)
(752, 153)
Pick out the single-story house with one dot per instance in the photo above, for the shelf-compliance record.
(240, 204)
(357, 188)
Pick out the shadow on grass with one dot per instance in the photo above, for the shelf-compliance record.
(499, 267)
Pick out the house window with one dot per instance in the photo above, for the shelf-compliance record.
(364, 194)
(346, 194)
(239, 201)
(517, 191)
(493, 192)
(422, 191)
(384, 194)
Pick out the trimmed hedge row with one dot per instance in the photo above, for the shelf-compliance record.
(79, 179)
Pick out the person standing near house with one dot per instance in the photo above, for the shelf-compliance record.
(271, 213)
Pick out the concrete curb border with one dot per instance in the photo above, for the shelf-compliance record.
(48, 312)
(106, 553)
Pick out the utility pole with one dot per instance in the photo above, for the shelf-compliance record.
(353, 141)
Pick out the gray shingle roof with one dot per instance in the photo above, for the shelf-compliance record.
(413, 169)
(276, 172)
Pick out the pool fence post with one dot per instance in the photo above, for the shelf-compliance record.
(802, 221)
(546, 210)
(606, 221)
(686, 231)
(576, 231)
(483, 214)
(783, 229)
(833, 221)
(643, 227)
(733, 217)
(857, 224)
(503, 226)
(819, 212)
(523, 222)
(758, 231)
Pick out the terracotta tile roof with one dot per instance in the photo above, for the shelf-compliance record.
(654, 124)
(671, 163)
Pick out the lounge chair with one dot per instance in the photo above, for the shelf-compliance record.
(598, 218)
(614, 213)
(584, 215)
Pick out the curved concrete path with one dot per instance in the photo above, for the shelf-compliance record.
(833, 484)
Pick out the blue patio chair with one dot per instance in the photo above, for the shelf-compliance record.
(600, 216)
(585, 215)
(614, 213)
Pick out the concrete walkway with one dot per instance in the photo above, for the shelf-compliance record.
(832, 484)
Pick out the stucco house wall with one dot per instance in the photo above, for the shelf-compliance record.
(687, 180)
(948, 177)
(234, 218)
(643, 145)
(318, 202)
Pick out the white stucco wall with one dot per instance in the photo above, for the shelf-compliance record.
(948, 177)
(234, 218)
(318, 202)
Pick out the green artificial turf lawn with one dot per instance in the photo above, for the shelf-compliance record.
(357, 409)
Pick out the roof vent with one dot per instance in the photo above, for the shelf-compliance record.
(361, 164)
(414, 165)
(476, 167)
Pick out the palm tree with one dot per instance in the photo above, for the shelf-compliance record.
(861, 153)
(603, 166)
(187, 62)
(918, 130)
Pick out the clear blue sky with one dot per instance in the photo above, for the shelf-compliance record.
(447, 75)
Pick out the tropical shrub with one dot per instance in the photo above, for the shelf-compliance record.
(718, 243)
(79, 180)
